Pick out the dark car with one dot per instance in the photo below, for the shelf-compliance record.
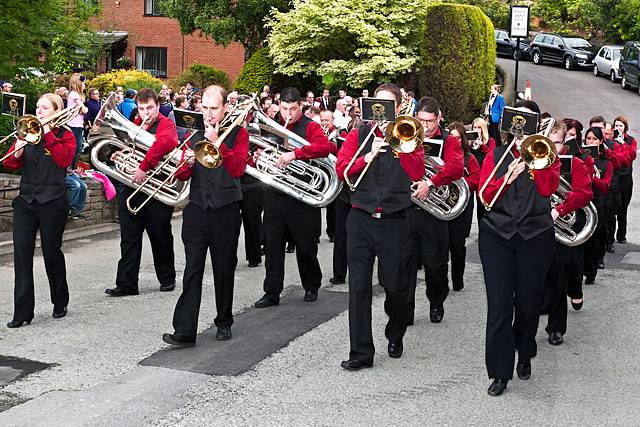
(506, 46)
(570, 51)
(630, 65)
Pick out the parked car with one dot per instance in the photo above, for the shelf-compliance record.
(506, 46)
(607, 62)
(630, 65)
(570, 51)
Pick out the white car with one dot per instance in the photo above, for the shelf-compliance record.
(607, 62)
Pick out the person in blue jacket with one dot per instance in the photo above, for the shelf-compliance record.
(493, 113)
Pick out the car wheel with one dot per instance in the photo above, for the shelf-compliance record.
(537, 59)
(516, 54)
(595, 71)
(624, 82)
(568, 63)
(612, 76)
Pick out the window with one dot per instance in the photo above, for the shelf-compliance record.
(153, 60)
(152, 8)
(602, 53)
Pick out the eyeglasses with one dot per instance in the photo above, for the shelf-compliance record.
(428, 121)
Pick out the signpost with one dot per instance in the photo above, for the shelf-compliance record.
(518, 27)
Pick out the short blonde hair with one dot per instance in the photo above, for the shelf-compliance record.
(485, 129)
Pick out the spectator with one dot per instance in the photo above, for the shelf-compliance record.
(274, 112)
(190, 90)
(325, 101)
(276, 97)
(129, 104)
(309, 100)
(493, 112)
(232, 98)
(64, 93)
(76, 97)
(7, 87)
(181, 102)
(354, 115)
(76, 194)
(340, 116)
(119, 95)
(195, 103)
(265, 103)
(365, 93)
(410, 99)
(342, 93)
(93, 105)
(165, 106)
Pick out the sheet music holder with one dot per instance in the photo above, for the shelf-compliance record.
(514, 121)
(14, 104)
(189, 119)
(377, 110)
(433, 147)
(566, 164)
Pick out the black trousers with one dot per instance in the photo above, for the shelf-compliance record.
(494, 132)
(429, 245)
(626, 190)
(340, 245)
(514, 274)
(557, 289)
(50, 218)
(283, 215)
(330, 216)
(251, 208)
(368, 238)
(459, 230)
(155, 219)
(594, 248)
(217, 232)
(614, 202)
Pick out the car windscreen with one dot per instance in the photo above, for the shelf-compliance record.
(577, 43)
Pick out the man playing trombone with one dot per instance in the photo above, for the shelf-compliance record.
(155, 218)
(377, 227)
(211, 221)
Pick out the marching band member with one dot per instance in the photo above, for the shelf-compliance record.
(429, 236)
(211, 223)
(377, 227)
(480, 148)
(155, 218)
(626, 175)
(282, 213)
(460, 227)
(517, 231)
(333, 133)
(41, 205)
(565, 274)
(594, 249)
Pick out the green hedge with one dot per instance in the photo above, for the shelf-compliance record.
(128, 79)
(201, 76)
(458, 59)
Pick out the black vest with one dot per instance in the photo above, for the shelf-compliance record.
(385, 185)
(581, 219)
(215, 188)
(623, 170)
(42, 179)
(615, 178)
(521, 209)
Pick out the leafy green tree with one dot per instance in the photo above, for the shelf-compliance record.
(496, 10)
(225, 21)
(353, 41)
(627, 19)
(201, 76)
(29, 28)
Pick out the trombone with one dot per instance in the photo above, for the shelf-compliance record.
(30, 129)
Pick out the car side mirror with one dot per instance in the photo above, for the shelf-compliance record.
(507, 39)
(561, 46)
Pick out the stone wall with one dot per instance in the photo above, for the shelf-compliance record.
(96, 211)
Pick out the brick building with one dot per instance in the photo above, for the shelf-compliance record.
(138, 30)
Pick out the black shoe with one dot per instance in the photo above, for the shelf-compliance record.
(623, 240)
(18, 323)
(291, 248)
(267, 301)
(119, 292)
(355, 364)
(167, 287)
(224, 333)
(458, 286)
(589, 280)
(555, 338)
(177, 340)
(58, 314)
(337, 281)
(600, 265)
(577, 305)
(436, 314)
(523, 368)
(310, 296)
(395, 349)
(498, 386)
(611, 249)
(254, 263)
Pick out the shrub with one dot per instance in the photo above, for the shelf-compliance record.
(458, 59)
(201, 76)
(128, 79)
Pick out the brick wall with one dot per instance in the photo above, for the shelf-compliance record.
(97, 209)
(154, 31)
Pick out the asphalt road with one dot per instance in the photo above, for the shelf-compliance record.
(94, 376)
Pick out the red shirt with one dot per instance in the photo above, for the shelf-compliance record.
(631, 151)
(617, 156)
(62, 150)
(412, 163)
(318, 142)
(580, 194)
(453, 158)
(489, 146)
(234, 159)
(546, 180)
(473, 167)
(166, 140)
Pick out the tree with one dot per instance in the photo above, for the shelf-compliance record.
(29, 28)
(627, 19)
(225, 21)
(351, 40)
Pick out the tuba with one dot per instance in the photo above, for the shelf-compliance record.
(447, 201)
(313, 182)
(112, 132)
(563, 225)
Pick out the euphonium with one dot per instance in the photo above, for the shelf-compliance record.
(113, 132)
(565, 234)
(313, 182)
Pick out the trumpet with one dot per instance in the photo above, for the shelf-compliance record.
(31, 129)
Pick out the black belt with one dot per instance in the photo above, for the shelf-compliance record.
(379, 215)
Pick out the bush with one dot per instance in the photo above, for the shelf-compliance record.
(128, 79)
(458, 59)
(201, 76)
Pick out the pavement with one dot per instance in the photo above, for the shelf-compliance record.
(282, 367)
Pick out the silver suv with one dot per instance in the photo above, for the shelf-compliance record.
(607, 62)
